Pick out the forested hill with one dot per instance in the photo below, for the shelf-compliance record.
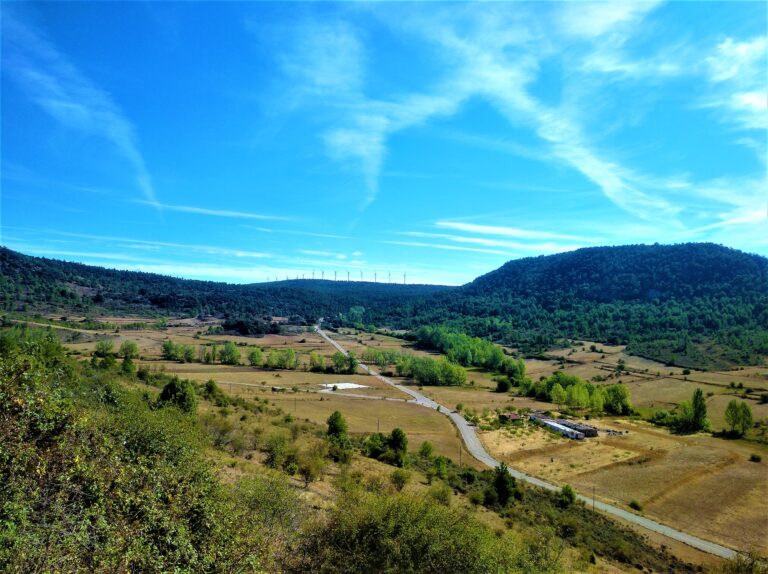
(694, 304)
(48, 285)
(631, 273)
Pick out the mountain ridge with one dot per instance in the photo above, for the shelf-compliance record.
(693, 304)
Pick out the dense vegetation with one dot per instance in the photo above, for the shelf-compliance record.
(40, 284)
(567, 389)
(695, 305)
(691, 416)
(690, 305)
(95, 476)
(107, 470)
(470, 351)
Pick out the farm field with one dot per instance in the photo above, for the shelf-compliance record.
(363, 416)
(697, 483)
(358, 341)
(668, 475)
(366, 416)
(289, 380)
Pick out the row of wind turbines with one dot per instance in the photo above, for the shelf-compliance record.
(335, 276)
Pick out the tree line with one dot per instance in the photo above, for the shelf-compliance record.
(692, 305)
(567, 389)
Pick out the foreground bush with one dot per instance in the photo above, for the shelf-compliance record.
(407, 534)
(92, 479)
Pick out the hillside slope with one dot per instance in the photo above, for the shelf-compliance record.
(631, 273)
(47, 285)
(694, 304)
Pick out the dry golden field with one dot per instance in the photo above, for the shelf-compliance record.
(703, 485)
(698, 483)
(366, 416)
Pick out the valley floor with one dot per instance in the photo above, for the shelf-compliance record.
(700, 484)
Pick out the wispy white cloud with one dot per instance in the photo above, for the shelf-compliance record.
(325, 59)
(446, 247)
(215, 212)
(514, 245)
(498, 73)
(507, 231)
(296, 232)
(19, 174)
(364, 134)
(737, 71)
(327, 63)
(494, 55)
(155, 245)
(46, 252)
(59, 88)
(732, 59)
(501, 145)
(594, 19)
(317, 253)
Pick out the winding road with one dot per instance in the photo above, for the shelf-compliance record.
(477, 450)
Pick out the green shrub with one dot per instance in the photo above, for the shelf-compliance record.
(567, 496)
(400, 478)
(402, 533)
(179, 393)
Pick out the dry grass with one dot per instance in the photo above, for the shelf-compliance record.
(697, 483)
(665, 393)
(716, 410)
(302, 380)
(358, 342)
(367, 416)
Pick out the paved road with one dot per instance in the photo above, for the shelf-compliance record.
(477, 450)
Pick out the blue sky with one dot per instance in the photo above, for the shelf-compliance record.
(247, 141)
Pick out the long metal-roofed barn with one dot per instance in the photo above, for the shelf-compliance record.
(589, 431)
(557, 427)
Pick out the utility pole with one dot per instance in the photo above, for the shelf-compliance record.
(375, 279)
(347, 276)
(404, 278)
(389, 277)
